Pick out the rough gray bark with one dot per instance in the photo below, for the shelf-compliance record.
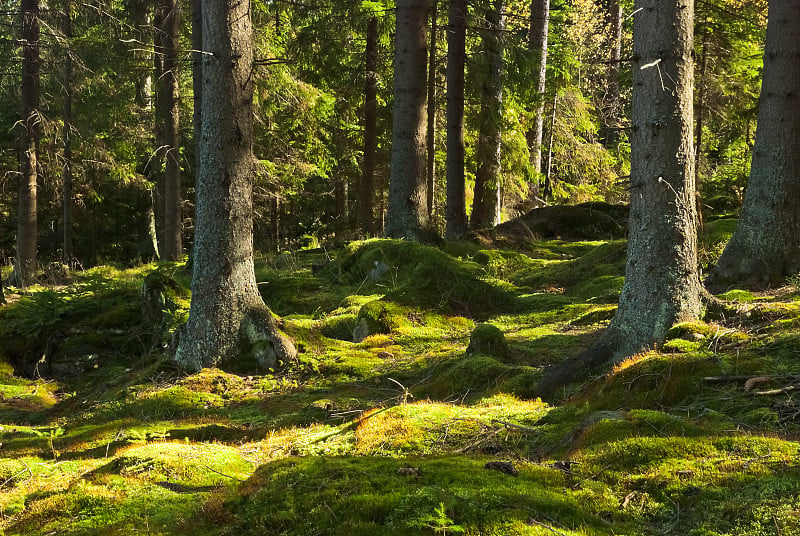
(27, 225)
(456, 209)
(537, 39)
(486, 202)
(367, 188)
(228, 321)
(67, 253)
(171, 248)
(407, 214)
(765, 247)
(662, 285)
(431, 132)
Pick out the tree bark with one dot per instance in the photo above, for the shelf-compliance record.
(539, 26)
(27, 228)
(367, 188)
(228, 320)
(407, 215)
(431, 133)
(486, 202)
(67, 254)
(197, 79)
(456, 211)
(171, 247)
(765, 247)
(662, 285)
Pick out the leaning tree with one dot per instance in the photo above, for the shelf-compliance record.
(228, 320)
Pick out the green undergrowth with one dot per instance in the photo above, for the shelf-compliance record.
(392, 420)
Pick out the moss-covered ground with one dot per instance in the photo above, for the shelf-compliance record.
(387, 424)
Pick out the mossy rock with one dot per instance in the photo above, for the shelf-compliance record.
(488, 339)
(502, 264)
(417, 275)
(378, 316)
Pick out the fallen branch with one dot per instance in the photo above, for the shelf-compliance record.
(532, 521)
(516, 426)
(223, 474)
(787, 389)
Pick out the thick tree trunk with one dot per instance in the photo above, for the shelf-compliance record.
(456, 211)
(540, 22)
(228, 321)
(407, 216)
(486, 203)
(766, 245)
(662, 285)
(67, 253)
(367, 188)
(171, 247)
(27, 228)
(431, 133)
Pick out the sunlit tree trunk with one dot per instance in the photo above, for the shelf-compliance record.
(66, 193)
(407, 215)
(662, 284)
(456, 210)
(367, 188)
(486, 203)
(431, 133)
(537, 42)
(615, 19)
(766, 244)
(228, 320)
(27, 228)
(171, 246)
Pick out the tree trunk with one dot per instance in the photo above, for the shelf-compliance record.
(197, 79)
(662, 285)
(431, 134)
(228, 321)
(540, 22)
(486, 203)
(615, 12)
(765, 247)
(407, 216)
(456, 211)
(66, 194)
(27, 229)
(171, 247)
(367, 189)
(698, 131)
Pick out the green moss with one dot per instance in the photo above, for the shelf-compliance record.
(489, 340)
(738, 296)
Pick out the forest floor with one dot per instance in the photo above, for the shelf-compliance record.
(409, 430)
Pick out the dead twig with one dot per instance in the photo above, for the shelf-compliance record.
(772, 392)
(515, 426)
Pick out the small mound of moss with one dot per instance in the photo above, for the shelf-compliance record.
(423, 276)
(487, 339)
